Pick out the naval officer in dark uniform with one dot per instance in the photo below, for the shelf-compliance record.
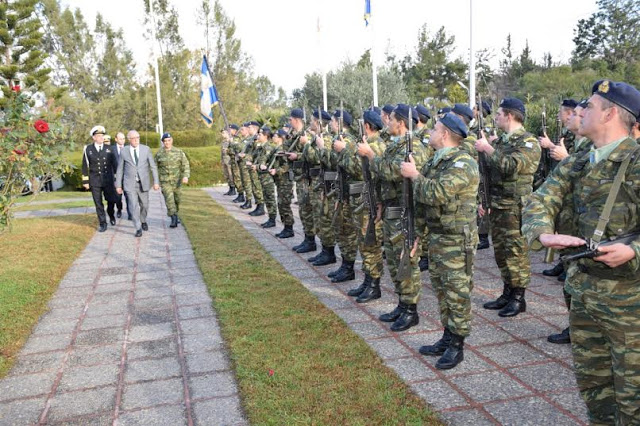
(99, 166)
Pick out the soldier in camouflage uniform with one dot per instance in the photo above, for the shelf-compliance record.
(225, 161)
(245, 146)
(235, 147)
(605, 303)
(385, 115)
(512, 161)
(446, 191)
(423, 133)
(387, 169)
(173, 171)
(263, 153)
(252, 152)
(284, 185)
(371, 253)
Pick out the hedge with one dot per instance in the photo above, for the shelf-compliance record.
(183, 138)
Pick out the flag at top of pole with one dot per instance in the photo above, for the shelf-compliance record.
(367, 12)
(208, 93)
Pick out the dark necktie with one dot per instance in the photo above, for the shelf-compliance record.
(135, 155)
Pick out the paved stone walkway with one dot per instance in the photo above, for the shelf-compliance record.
(130, 339)
(510, 375)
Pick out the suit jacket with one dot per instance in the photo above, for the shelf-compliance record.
(129, 173)
(98, 168)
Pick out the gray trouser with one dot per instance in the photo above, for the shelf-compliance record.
(139, 202)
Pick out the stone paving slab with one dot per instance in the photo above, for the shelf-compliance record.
(131, 338)
(510, 375)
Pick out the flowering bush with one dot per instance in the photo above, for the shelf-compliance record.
(32, 145)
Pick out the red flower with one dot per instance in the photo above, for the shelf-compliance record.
(16, 88)
(19, 151)
(271, 372)
(41, 126)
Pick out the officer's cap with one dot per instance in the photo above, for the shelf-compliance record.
(569, 103)
(107, 138)
(514, 104)
(402, 110)
(165, 136)
(455, 124)
(388, 109)
(422, 110)
(464, 110)
(97, 130)
(620, 93)
(347, 117)
(297, 113)
(374, 120)
(325, 115)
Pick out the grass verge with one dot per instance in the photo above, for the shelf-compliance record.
(323, 373)
(35, 256)
(65, 205)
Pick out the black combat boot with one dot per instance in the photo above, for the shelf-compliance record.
(339, 270)
(239, 198)
(453, 355)
(484, 241)
(174, 221)
(407, 319)
(516, 303)
(309, 244)
(563, 337)
(562, 276)
(555, 271)
(231, 191)
(314, 257)
(393, 315)
(246, 205)
(372, 292)
(269, 223)
(357, 291)
(501, 301)
(327, 256)
(259, 210)
(287, 232)
(347, 273)
(424, 263)
(439, 347)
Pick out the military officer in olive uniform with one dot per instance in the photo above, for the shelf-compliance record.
(173, 171)
(604, 184)
(98, 170)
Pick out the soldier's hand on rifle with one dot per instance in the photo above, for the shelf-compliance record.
(339, 144)
(254, 168)
(241, 154)
(560, 241)
(482, 145)
(559, 152)
(493, 137)
(615, 254)
(408, 169)
(248, 163)
(378, 212)
(545, 142)
(414, 248)
(185, 180)
(292, 156)
(263, 167)
(319, 142)
(482, 212)
(272, 172)
(364, 150)
(304, 139)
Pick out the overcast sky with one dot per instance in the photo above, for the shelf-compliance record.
(288, 28)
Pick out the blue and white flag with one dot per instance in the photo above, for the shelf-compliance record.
(367, 12)
(208, 94)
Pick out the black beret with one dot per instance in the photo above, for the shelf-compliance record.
(297, 113)
(376, 109)
(619, 93)
(287, 125)
(388, 108)
(422, 110)
(455, 124)
(282, 133)
(165, 136)
(444, 110)
(373, 118)
(463, 109)
(583, 103)
(402, 110)
(486, 107)
(325, 115)
(254, 123)
(569, 103)
(347, 117)
(266, 129)
(514, 104)
(246, 124)
(234, 126)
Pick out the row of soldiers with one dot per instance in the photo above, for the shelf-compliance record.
(412, 192)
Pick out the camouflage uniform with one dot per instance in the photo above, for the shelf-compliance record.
(346, 230)
(173, 166)
(263, 155)
(226, 162)
(245, 146)
(446, 191)
(605, 305)
(305, 209)
(387, 169)
(312, 155)
(328, 160)
(256, 187)
(235, 147)
(284, 187)
(512, 167)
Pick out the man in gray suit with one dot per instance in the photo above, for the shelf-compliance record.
(134, 166)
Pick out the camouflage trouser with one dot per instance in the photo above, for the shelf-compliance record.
(510, 247)
(226, 170)
(256, 186)
(605, 342)
(371, 255)
(424, 239)
(237, 176)
(450, 269)
(285, 194)
(321, 221)
(305, 209)
(246, 180)
(269, 193)
(346, 231)
(171, 194)
(409, 289)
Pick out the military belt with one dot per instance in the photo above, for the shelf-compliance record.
(331, 176)
(392, 213)
(315, 172)
(356, 188)
(298, 164)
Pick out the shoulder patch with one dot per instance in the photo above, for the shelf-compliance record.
(528, 145)
(459, 164)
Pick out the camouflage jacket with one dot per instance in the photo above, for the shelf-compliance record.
(234, 145)
(423, 135)
(586, 185)
(512, 166)
(173, 165)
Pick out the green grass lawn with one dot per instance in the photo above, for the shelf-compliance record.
(323, 373)
(35, 256)
(65, 205)
(55, 195)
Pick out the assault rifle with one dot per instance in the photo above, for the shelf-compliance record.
(369, 194)
(590, 250)
(408, 220)
(484, 166)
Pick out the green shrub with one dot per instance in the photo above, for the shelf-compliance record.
(184, 138)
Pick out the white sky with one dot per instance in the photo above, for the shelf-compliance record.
(288, 28)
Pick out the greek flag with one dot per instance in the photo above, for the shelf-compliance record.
(208, 93)
(367, 11)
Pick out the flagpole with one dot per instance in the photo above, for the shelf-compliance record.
(374, 69)
(323, 68)
(224, 114)
(155, 67)
(472, 61)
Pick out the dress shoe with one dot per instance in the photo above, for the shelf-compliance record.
(357, 291)
(102, 227)
(439, 347)
(501, 301)
(112, 221)
(484, 242)
(372, 292)
(145, 227)
(407, 319)
(138, 233)
(119, 214)
(555, 271)
(239, 198)
(424, 263)
(560, 338)
(515, 305)
(453, 355)
(174, 221)
(287, 232)
(347, 273)
(393, 315)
